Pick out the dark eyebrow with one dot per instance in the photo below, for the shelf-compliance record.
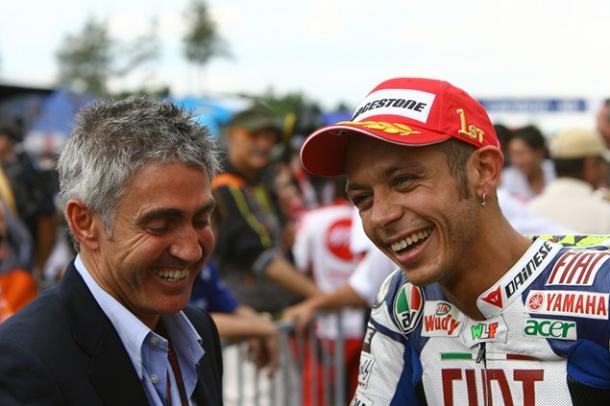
(415, 167)
(158, 213)
(174, 213)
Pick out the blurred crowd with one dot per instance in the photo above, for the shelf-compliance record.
(288, 244)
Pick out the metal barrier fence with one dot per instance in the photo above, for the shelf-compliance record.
(244, 386)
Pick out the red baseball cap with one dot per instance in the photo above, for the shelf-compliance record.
(403, 111)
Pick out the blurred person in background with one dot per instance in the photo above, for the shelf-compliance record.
(18, 241)
(316, 191)
(603, 121)
(236, 322)
(504, 135)
(529, 171)
(360, 288)
(251, 252)
(298, 190)
(33, 190)
(17, 286)
(580, 159)
(322, 248)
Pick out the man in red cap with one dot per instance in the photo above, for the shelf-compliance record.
(477, 313)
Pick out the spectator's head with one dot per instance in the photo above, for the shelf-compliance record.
(581, 154)
(251, 136)
(135, 187)
(527, 149)
(504, 135)
(603, 121)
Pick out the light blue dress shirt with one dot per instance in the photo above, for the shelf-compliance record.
(148, 350)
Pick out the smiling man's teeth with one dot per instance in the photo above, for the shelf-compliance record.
(410, 240)
(172, 275)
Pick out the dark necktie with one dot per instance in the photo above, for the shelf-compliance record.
(173, 362)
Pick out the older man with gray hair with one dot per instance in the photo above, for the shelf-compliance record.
(135, 188)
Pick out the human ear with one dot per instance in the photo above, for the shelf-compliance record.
(82, 224)
(487, 163)
(594, 170)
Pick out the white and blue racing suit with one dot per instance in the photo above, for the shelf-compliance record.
(544, 339)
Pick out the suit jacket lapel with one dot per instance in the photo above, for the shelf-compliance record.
(114, 376)
(111, 371)
(209, 372)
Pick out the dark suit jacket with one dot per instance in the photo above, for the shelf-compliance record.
(63, 350)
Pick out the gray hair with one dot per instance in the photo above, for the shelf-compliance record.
(111, 141)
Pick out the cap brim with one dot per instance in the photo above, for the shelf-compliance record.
(323, 152)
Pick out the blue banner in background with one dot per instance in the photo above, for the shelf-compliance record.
(534, 105)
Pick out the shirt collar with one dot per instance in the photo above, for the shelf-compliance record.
(187, 343)
(132, 331)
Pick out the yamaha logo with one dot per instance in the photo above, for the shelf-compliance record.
(534, 303)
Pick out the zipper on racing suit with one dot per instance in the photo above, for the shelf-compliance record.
(482, 356)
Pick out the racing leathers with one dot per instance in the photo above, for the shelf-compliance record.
(543, 341)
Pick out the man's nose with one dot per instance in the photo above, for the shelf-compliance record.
(187, 245)
(384, 211)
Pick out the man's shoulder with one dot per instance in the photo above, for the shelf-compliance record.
(399, 304)
(39, 327)
(583, 262)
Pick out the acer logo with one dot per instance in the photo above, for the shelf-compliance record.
(546, 328)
